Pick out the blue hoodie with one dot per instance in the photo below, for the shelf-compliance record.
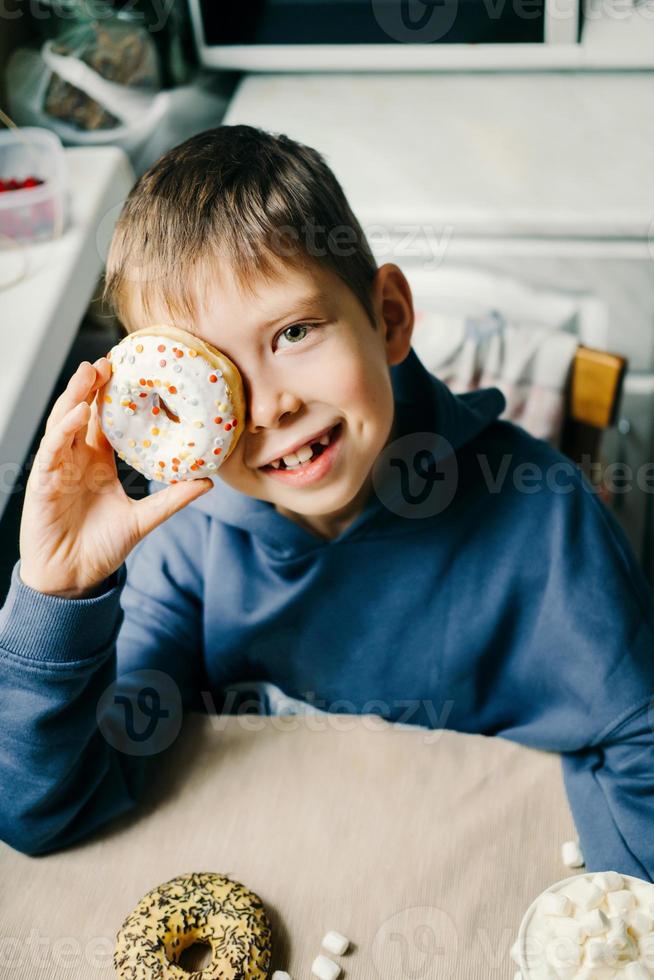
(516, 610)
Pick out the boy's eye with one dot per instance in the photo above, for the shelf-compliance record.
(295, 333)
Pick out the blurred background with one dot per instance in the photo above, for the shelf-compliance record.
(500, 151)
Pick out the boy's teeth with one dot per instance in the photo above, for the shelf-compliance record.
(301, 455)
(304, 454)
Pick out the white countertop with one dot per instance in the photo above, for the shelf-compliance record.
(40, 315)
(562, 155)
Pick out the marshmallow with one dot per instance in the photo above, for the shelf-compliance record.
(563, 952)
(585, 894)
(596, 973)
(281, 975)
(556, 903)
(636, 971)
(609, 881)
(646, 948)
(564, 973)
(639, 923)
(598, 952)
(594, 923)
(571, 854)
(617, 937)
(335, 942)
(569, 927)
(324, 968)
(621, 901)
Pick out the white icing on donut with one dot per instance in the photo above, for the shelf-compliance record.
(154, 377)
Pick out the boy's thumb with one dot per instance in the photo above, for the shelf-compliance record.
(158, 507)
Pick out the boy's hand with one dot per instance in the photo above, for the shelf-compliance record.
(78, 524)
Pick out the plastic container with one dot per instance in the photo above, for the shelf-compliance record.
(32, 214)
(28, 77)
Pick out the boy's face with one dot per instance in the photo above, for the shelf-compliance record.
(311, 362)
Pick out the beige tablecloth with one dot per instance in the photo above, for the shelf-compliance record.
(423, 847)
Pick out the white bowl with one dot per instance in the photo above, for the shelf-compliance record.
(530, 971)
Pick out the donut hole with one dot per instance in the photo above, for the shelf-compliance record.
(167, 410)
(196, 956)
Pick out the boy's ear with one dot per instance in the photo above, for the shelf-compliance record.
(393, 304)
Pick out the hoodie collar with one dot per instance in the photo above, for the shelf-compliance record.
(423, 403)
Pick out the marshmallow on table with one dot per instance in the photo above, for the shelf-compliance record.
(335, 942)
(571, 854)
(324, 968)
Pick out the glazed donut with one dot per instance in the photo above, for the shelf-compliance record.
(201, 907)
(174, 406)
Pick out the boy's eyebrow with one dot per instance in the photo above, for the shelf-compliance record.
(300, 303)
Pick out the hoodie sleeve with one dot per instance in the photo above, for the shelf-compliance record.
(592, 682)
(91, 691)
(610, 784)
(610, 787)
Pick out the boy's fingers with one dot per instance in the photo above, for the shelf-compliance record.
(61, 436)
(81, 387)
(76, 391)
(155, 509)
(95, 437)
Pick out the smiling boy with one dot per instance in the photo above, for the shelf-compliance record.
(312, 364)
(482, 606)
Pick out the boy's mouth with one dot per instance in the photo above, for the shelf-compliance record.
(305, 455)
(322, 460)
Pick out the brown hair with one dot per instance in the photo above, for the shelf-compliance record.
(236, 194)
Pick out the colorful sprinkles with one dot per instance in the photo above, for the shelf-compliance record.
(186, 394)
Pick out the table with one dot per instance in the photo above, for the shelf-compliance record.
(40, 315)
(423, 847)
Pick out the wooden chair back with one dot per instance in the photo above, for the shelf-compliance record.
(592, 403)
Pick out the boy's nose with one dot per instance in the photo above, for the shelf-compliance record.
(267, 405)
